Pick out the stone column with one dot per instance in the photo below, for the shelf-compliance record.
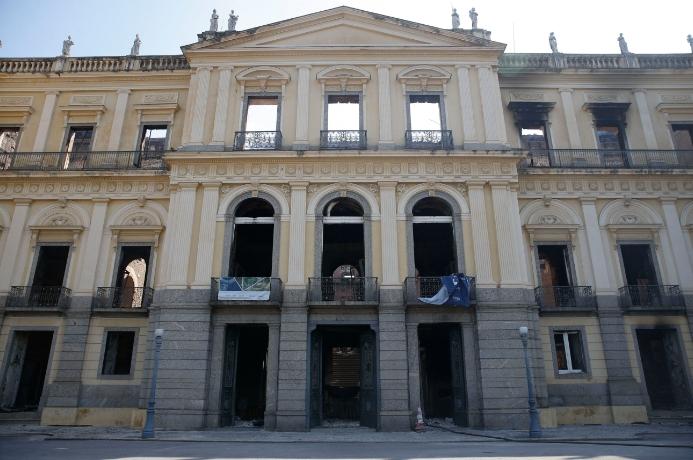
(297, 235)
(199, 105)
(471, 135)
(167, 247)
(13, 243)
(45, 121)
(509, 253)
(645, 118)
(91, 254)
(182, 236)
(388, 231)
(302, 107)
(570, 119)
(492, 105)
(384, 107)
(393, 375)
(471, 373)
(272, 375)
(602, 283)
(205, 242)
(413, 361)
(118, 119)
(222, 106)
(482, 249)
(678, 243)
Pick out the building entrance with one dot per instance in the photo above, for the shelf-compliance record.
(342, 376)
(245, 375)
(443, 392)
(26, 370)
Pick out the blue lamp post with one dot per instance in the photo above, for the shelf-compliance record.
(148, 430)
(534, 425)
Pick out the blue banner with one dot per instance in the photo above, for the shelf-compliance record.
(455, 291)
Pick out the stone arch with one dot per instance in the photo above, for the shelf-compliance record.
(631, 212)
(451, 195)
(423, 71)
(686, 215)
(350, 74)
(364, 197)
(228, 204)
(263, 76)
(556, 212)
(136, 215)
(61, 215)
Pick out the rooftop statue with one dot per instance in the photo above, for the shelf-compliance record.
(455, 19)
(67, 44)
(214, 22)
(135, 50)
(690, 41)
(474, 16)
(233, 19)
(552, 43)
(623, 45)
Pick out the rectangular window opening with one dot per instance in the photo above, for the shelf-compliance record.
(533, 136)
(51, 266)
(638, 264)
(610, 136)
(79, 139)
(425, 113)
(262, 113)
(153, 138)
(683, 136)
(343, 112)
(117, 359)
(569, 355)
(9, 139)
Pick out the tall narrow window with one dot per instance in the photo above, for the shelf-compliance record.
(49, 275)
(343, 122)
(610, 136)
(117, 357)
(610, 124)
(130, 290)
(569, 354)
(153, 138)
(555, 276)
(79, 139)
(426, 123)
(260, 124)
(9, 138)
(683, 136)
(253, 239)
(642, 286)
(531, 119)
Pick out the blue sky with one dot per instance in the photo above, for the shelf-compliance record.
(101, 27)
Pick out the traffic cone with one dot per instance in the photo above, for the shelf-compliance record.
(420, 426)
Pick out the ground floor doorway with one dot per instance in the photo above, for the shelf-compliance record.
(664, 369)
(245, 375)
(343, 377)
(25, 371)
(441, 364)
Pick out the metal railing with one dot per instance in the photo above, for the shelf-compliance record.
(428, 286)
(123, 298)
(510, 62)
(257, 140)
(558, 297)
(39, 297)
(275, 290)
(428, 139)
(657, 296)
(356, 289)
(80, 161)
(94, 64)
(610, 159)
(343, 139)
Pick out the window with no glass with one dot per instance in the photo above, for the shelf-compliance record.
(9, 139)
(117, 358)
(343, 112)
(570, 357)
(79, 139)
(609, 124)
(425, 112)
(683, 136)
(261, 113)
(153, 138)
(531, 119)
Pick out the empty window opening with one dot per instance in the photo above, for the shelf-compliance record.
(683, 137)
(79, 139)
(570, 358)
(253, 239)
(343, 239)
(533, 136)
(118, 353)
(343, 112)
(9, 138)
(245, 375)
(25, 370)
(131, 276)
(443, 393)
(51, 266)
(153, 138)
(434, 242)
(425, 113)
(554, 265)
(610, 137)
(262, 113)
(638, 264)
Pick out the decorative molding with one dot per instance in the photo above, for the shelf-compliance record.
(160, 98)
(16, 101)
(423, 78)
(526, 96)
(94, 99)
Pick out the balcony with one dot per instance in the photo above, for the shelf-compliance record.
(652, 297)
(122, 299)
(38, 298)
(561, 299)
(343, 140)
(610, 159)
(257, 140)
(428, 286)
(80, 161)
(343, 290)
(428, 139)
(247, 291)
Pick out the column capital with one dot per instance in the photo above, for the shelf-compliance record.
(476, 183)
(463, 66)
(499, 183)
(298, 185)
(668, 199)
(588, 200)
(52, 93)
(187, 185)
(22, 201)
(304, 66)
(227, 68)
(123, 91)
(383, 66)
(565, 90)
(639, 90)
(387, 184)
(203, 68)
(209, 185)
(100, 200)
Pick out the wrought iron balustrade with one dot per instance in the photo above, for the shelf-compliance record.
(610, 159)
(257, 140)
(354, 289)
(651, 296)
(123, 298)
(80, 161)
(343, 139)
(558, 297)
(38, 297)
(274, 285)
(428, 139)
(428, 286)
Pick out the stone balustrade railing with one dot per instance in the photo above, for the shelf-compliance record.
(93, 64)
(549, 61)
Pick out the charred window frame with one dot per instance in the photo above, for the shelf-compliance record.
(151, 138)
(569, 352)
(651, 253)
(79, 138)
(532, 121)
(610, 125)
(9, 138)
(682, 136)
(415, 117)
(118, 353)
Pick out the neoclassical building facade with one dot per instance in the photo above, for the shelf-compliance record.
(344, 161)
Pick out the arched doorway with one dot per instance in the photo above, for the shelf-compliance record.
(252, 246)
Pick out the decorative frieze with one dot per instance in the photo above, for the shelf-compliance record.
(91, 99)
(160, 98)
(16, 101)
(43, 189)
(559, 186)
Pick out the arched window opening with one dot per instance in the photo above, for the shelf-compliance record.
(253, 239)
(133, 271)
(343, 242)
(435, 252)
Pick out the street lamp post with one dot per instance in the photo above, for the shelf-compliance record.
(534, 425)
(148, 431)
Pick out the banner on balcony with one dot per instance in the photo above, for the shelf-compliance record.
(454, 291)
(244, 288)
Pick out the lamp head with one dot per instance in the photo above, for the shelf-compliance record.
(158, 332)
(523, 332)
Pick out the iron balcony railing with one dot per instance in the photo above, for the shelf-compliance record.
(655, 296)
(559, 297)
(343, 140)
(428, 286)
(80, 161)
(39, 297)
(253, 285)
(354, 289)
(257, 140)
(123, 298)
(428, 139)
(610, 159)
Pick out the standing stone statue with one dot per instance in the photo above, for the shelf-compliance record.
(67, 44)
(474, 16)
(135, 50)
(623, 45)
(690, 41)
(552, 43)
(455, 19)
(214, 22)
(233, 19)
